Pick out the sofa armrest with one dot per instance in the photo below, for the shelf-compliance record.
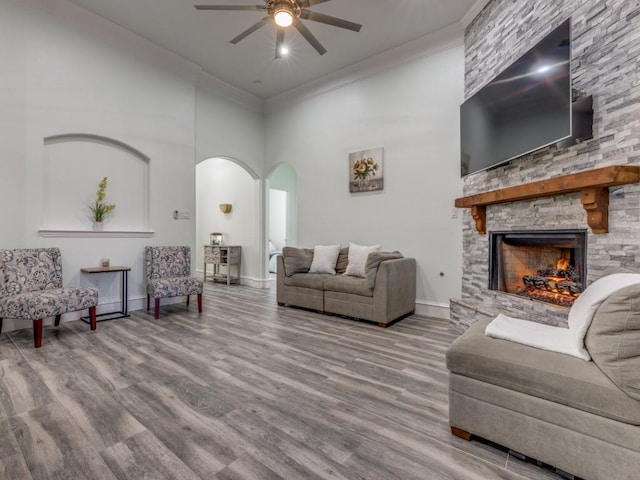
(280, 279)
(394, 294)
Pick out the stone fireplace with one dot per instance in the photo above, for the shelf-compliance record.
(543, 266)
(519, 24)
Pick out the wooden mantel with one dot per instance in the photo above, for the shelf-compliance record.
(593, 185)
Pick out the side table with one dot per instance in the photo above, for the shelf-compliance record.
(124, 271)
(223, 256)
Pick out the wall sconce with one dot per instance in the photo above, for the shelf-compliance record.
(225, 207)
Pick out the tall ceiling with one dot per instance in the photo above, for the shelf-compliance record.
(203, 36)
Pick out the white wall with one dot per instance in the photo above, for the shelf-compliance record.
(66, 71)
(234, 129)
(221, 181)
(411, 111)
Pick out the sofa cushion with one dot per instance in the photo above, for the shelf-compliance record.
(343, 260)
(613, 340)
(358, 257)
(174, 287)
(373, 262)
(548, 375)
(324, 259)
(296, 260)
(48, 303)
(307, 280)
(348, 284)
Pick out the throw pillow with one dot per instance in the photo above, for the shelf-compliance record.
(613, 339)
(373, 262)
(324, 259)
(343, 260)
(296, 260)
(358, 257)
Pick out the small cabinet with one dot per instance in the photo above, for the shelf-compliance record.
(224, 258)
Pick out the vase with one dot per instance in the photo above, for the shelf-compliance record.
(97, 226)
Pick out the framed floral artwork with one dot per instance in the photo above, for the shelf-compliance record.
(365, 171)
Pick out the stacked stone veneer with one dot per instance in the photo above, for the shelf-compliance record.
(606, 65)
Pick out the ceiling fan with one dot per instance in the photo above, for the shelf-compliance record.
(285, 13)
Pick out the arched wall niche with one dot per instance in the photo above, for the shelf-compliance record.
(75, 163)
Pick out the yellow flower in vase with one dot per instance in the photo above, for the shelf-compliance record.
(100, 211)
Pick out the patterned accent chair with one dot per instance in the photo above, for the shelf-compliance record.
(31, 289)
(169, 275)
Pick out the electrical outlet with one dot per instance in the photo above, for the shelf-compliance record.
(454, 212)
(176, 214)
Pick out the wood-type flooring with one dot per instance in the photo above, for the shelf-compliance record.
(247, 390)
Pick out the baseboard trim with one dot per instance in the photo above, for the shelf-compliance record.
(432, 309)
(255, 282)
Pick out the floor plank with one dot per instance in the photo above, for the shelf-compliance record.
(246, 390)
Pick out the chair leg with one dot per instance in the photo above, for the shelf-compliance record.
(157, 308)
(148, 301)
(92, 317)
(0, 326)
(37, 333)
(188, 297)
(57, 321)
(199, 303)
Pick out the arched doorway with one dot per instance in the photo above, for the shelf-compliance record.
(281, 212)
(223, 180)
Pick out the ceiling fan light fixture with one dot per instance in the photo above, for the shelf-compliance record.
(283, 17)
(283, 12)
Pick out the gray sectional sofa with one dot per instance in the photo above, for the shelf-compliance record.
(581, 417)
(385, 294)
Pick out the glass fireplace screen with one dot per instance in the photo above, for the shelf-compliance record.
(547, 266)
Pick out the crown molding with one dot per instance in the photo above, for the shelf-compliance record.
(473, 12)
(430, 44)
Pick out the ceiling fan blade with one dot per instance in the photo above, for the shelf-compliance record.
(251, 29)
(304, 31)
(230, 7)
(336, 22)
(279, 42)
(310, 3)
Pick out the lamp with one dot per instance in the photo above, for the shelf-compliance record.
(225, 207)
(283, 11)
(215, 238)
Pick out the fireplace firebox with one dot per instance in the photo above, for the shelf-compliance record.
(546, 266)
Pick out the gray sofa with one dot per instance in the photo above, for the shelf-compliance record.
(581, 417)
(386, 294)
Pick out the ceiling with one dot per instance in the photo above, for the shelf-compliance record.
(203, 36)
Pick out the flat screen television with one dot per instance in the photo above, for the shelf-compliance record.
(526, 107)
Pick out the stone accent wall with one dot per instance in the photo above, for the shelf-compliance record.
(606, 65)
